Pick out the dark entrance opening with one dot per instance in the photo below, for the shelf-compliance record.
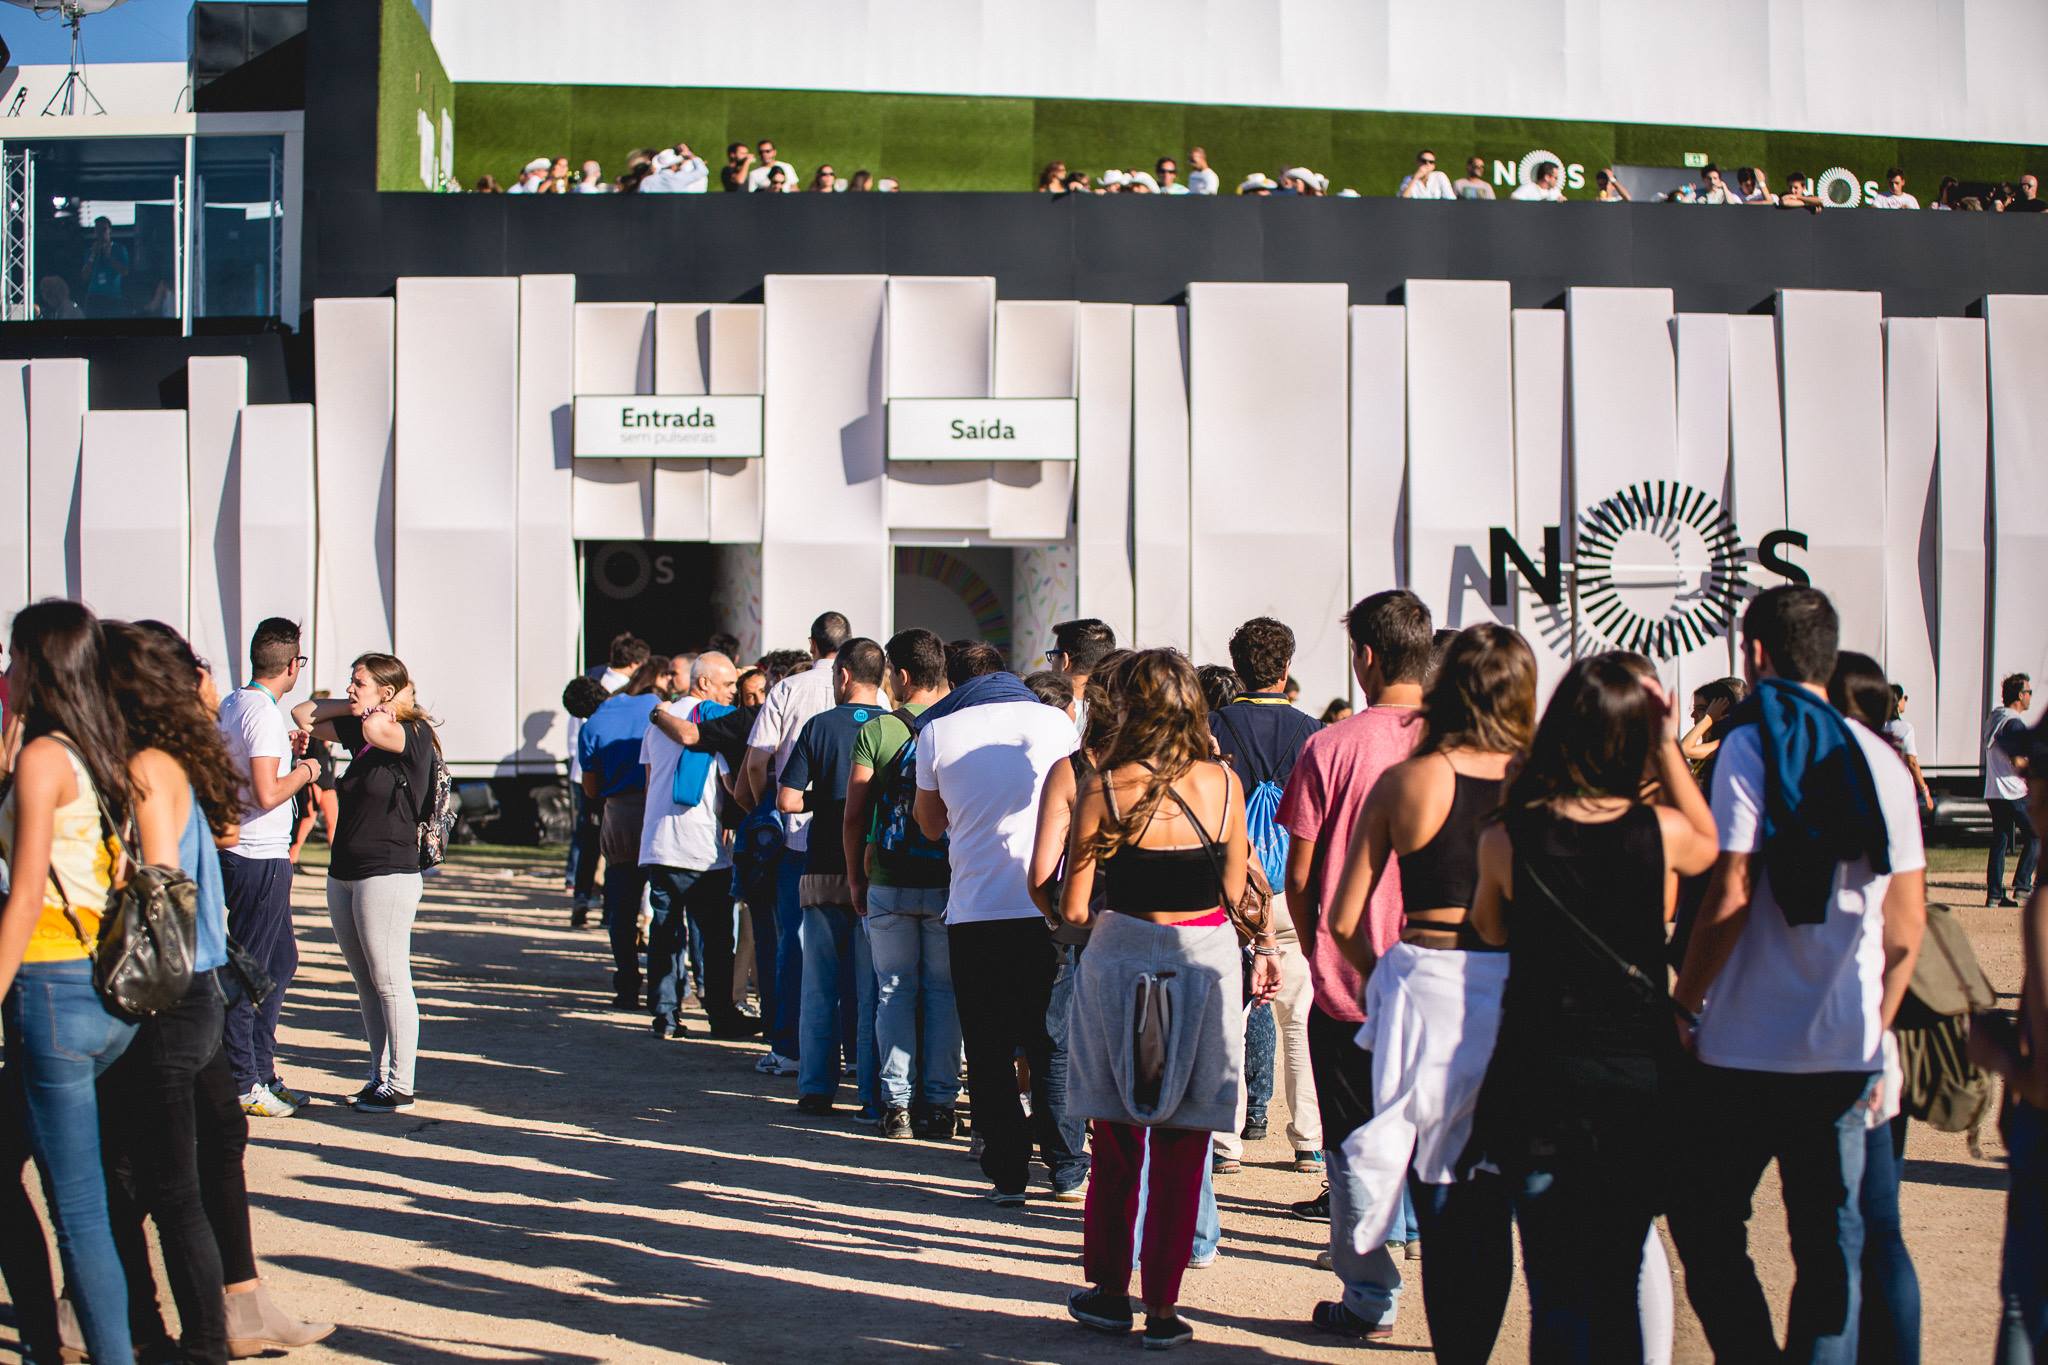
(659, 590)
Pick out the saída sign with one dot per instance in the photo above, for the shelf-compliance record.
(1659, 568)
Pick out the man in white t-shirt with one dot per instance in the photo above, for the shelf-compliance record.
(789, 704)
(1802, 952)
(1893, 195)
(1542, 185)
(685, 853)
(757, 180)
(256, 874)
(982, 757)
(1426, 181)
(2005, 792)
(1202, 178)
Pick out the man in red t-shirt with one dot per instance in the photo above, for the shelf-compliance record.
(1390, 655)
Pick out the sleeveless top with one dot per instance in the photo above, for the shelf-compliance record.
(1162, 880)
(82, 854)
(1445, 871)
(201, 861)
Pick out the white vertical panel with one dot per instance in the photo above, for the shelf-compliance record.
(824, 545)
(354, 370)
(1262, 542)
(1379, 451)
(1461, 443)
(550, 607)
(1756, 433)
(56, 419)
(216, 387)
(941, 344)
(1541, 484)
(682, 365)
(1034, 358)
(1159, 476)
(275, 530)
(614, 499)
(735, 485)
(1962, 416)
(1911, 543)
(2016, 337)
(1102, 500)
(134, 516)
(1831, 365)
(13, 490)
(457, 506)
(1700, 341)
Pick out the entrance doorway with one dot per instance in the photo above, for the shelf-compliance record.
(659, 590)
(958, 593)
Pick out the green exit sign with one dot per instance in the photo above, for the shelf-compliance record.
(1695, 160)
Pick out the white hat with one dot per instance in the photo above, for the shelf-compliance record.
(1301, 173)
(1347, 193)
(1255, 181)
(1142, 178)
(666, 158)
(1111, 177)
(537, 165)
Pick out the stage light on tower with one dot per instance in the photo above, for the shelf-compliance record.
(73, 93)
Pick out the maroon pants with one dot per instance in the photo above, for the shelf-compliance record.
(1170, 1207)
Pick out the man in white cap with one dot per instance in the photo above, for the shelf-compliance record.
(1256, 183)
(1112, 182)
(1139, 182)
(531, 179)
(677, 170)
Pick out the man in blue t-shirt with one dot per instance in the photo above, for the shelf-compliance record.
(608, 748)
(835, 948)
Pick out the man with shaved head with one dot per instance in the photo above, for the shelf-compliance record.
(685, 853)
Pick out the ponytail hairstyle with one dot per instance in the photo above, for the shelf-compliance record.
(59, 651)
(1162, 723)
(1484, 696)
(155, 679)
(386, 670)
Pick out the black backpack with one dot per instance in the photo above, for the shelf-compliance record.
(902, 853)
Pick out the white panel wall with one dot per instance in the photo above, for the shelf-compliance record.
(1102, 500)
(1705, 445)
(1266, 524)
(56, 418)
(735, 485)
(13, 489)
(1831, 365)
(2016, 334)
(682, 365)
(1461, 442)
(1912, 511)
(354, 372)
(1542, 482)
(1159, 476)
(824, 541)
(1034, 358)
(1756, 432)
(216, 388)
(1379, 452)
(457, 506)
(133, 519)
(941, 344)
(1962, 413)
(550, 605)
(614, 499)
(276, 530)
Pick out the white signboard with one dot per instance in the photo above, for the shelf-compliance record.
(651, 426)
(982, 428)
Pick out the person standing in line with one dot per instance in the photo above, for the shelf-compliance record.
(1391, 653)
(1803, 951)
(608, 748)
(2005, 792)
(69, 784)
(1573, 1110)
(790, 703)
(257, 872)
(1077, 647)
(686, 856)
(983, 752)
(623, 658)
(1262, 737)
(838, 1014)
(373, 880)
(901, 892)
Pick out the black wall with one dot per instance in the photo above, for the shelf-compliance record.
(129, 371)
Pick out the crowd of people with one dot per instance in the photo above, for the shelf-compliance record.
(1569, 970)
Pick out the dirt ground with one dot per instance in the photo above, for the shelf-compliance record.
(572, 1189)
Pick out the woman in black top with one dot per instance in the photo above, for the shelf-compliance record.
(373, 881)
(1578, 879)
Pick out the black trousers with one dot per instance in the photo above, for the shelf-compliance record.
(24, 1254)
(1343, 1073)
(710, 907)
(1002, 980)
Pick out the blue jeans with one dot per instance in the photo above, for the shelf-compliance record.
(1582, 1250)
(835, 948)
(1468, 1228)
(906, 928)
(1890, 1330)
(2023, 1336)
(60, 1039)
(1736, 1122)
(2010, 830)
(783, 1031)
(1208, 1226)
(1261, 1041)
(668, 895)
(1067, 1162)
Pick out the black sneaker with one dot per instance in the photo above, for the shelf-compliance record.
(1163, 1334)
(1101, 1310)
(815, 1105)
(1316, 1210)
(385, 1099)
(896, 1122)
(1254, 1131)
(676, 1030)
(1340, 1321)
(940, 1125)
(659, 1027)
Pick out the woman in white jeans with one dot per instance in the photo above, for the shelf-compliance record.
(373, 881)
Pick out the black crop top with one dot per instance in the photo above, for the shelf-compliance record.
(1155, 881)
(1445, 871)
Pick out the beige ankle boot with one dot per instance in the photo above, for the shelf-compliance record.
(256, 1325)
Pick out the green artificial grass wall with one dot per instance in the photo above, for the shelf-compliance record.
(933, 142)
(410, 80)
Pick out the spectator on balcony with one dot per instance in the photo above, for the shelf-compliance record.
(1426, 181)
(1712, 189)
(1053, 179)
(1753, 186)
(887, 185)
(486, 184)
(739, 159)
(1608, 187)
(57, 303)
(1894, 195)
(1946, 194)
(2029, 199)
(105, 272)
(1078, 183)
(862, 182)
(1474, 185)
(778, 181)
(1257, 184)
(1168, 172)
(592, 180)
(532, 177)
(1138, 182)
(1542, 184)
(1797, 195)
(677, 170)
(558, 177)
(1302, 180)
(767, 161)
(1201, 179)
(824, 180)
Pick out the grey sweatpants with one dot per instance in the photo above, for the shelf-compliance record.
(373, 924)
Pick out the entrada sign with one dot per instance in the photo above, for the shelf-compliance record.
(982, 428)
(662, 426)
(1659, 568)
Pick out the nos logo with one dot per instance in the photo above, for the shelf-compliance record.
(1660, 568)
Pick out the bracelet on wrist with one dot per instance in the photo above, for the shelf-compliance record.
(1258, 951)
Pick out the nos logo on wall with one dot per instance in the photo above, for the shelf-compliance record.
(1660, 569)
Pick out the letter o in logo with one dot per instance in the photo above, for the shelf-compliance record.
(1532, 162)
(1830, 180)
(622, 587)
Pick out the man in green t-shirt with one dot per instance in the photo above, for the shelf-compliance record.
(906, 924)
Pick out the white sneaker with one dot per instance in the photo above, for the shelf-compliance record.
(260, 1103)
(775, 1064)
(1202, 1261)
